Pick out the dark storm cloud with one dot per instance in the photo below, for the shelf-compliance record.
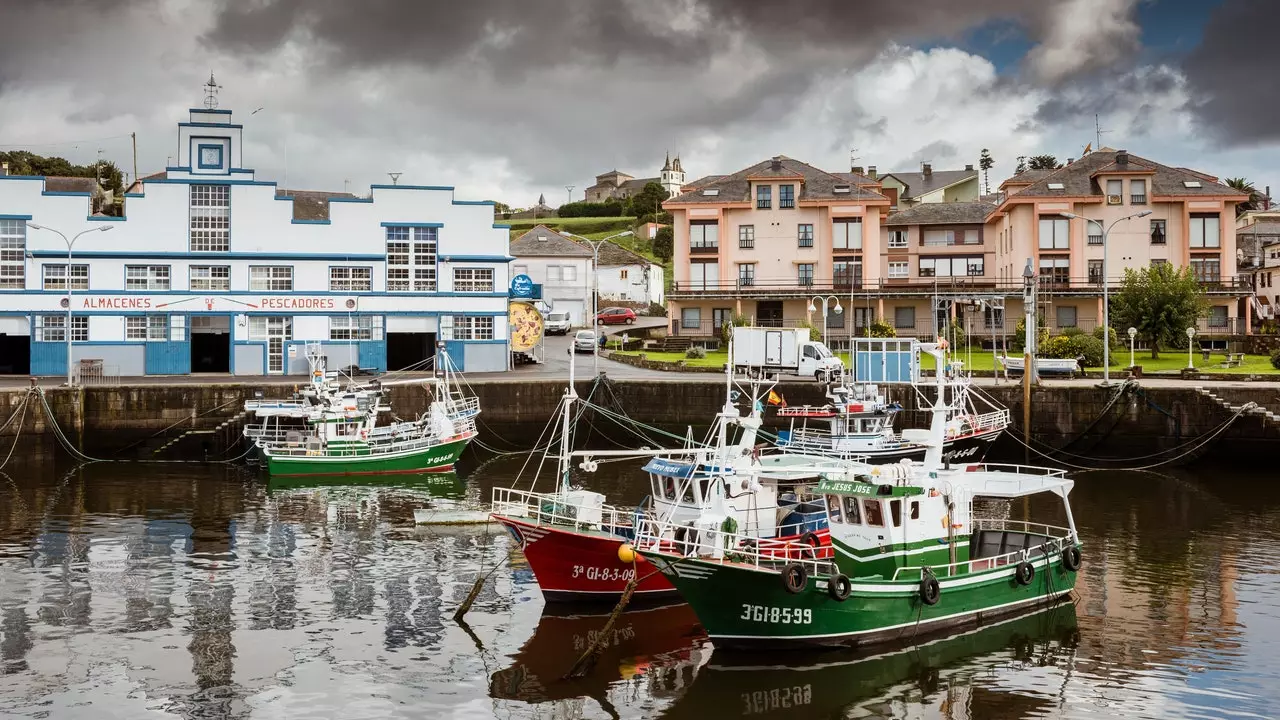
(936, 152)
(1234, 83)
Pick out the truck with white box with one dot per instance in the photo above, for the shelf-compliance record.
(783, 350)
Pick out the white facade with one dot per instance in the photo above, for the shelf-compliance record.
(566, 283)
(631, 283)
(210, 271)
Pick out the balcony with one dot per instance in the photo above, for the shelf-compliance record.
(704, 249)
(793, 287)
(1095, 239)
(949, 242)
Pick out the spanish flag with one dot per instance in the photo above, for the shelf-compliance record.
(1088, 148)
(776, 399)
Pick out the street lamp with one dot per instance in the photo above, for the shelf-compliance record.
(1133, 333)
(813, 307)
(1191, 335)
(595, 286)
(1106, 300)
(69, 243)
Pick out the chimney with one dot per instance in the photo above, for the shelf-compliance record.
(871, 173)
(856, 169)
(1070, 160)
(927, 169)
(968, 168)
(1122, 157)
(777, 163)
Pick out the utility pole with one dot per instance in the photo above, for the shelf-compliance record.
(1028, 353)
(569, 189)
(134, 135)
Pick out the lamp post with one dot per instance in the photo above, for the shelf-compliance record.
(69, 243)
(1133, 333)
(814, 308)
(595, 286)
(1191, 336)
(1106, 304)
(1028, 352)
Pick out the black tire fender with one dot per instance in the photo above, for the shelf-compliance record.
(1071, 558)
(930, 590)
(1024, 573)
(839, 587)
(795, 578)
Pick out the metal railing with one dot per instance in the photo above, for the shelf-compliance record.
(988, 421)
(732, 548)
(94, 372)
(1050, 546)
(1088, 284)
(555, 509)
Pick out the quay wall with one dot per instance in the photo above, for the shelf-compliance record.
(1086, 421)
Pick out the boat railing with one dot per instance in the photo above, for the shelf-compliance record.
(1025, 526)
(989, 421)
(1056, 539)
(270, 434)
(1018, 469)
(557, 509)
(730, 547)
(458, 407)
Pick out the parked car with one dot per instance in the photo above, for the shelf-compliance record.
(616, 316)
(557, 323)
(584, 341)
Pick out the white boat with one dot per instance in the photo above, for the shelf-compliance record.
(443, 511)
(1016, 365)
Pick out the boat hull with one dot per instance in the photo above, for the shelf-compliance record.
(747, 607)
(436, 458)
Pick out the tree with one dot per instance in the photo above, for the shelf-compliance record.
(1246, 187)
(500, 207)
(648, 201)
(985, 162)
(1161, 302)
(1043, 162)
(664, 243)
(22, 162)
(1022, 165)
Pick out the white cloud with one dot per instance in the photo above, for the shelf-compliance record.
(1082, 35)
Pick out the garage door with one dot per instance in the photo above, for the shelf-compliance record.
(576, 310)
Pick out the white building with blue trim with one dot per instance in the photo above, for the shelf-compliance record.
(212, 270)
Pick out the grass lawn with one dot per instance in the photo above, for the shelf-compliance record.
(713, 359)
(623, 222)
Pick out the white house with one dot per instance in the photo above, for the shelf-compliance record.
(562, 266)
(212, 270)
(625, 276)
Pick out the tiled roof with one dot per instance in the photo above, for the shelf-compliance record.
(857, 178)
(919, 184)
(542, 241)
(637, 184)
(1265, 227)
(1077, 178)
(953, 213)
(613, 254)
(817, 184)
(704, 180)
(311, 204)
(1027, 176)
(71, 184)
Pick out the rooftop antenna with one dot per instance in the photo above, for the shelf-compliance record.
(570, 188)
(1098, 131)
(395, 177)
(211, 89)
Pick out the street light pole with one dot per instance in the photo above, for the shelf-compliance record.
(595, 288)
(1191, 336)
(1133, 333)
(837, 309)
(67, 277)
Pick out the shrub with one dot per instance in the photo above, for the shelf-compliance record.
(1275, 359)
(881, 328)
(1088, 347)
(1056, 347)
(726, 330)
(1115, 340)
(656, 310)
(1016, 343)
(697, 352)
(814, 332)
(609, 208)
(1072, 331)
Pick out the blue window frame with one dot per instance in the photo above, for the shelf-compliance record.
(210, 151)
(412, 258)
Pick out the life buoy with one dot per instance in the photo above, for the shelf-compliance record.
(1024, 573)
(794, 578)
(1071, 558)
(839, 587)
(930, 590)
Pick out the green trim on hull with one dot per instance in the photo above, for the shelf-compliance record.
(430, 459)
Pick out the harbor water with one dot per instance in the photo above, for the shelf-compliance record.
(204, 591)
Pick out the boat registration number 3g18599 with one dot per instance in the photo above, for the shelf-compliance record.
(785, 616)
(605, 574)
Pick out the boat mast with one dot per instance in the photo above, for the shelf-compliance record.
(937, 425)
(569, 396)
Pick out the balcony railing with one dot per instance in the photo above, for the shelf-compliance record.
(704, 249)
(949, 241)
(1095, 239)
(1091, 284)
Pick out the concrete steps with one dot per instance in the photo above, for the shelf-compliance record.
(224, 426)
(1257, 410)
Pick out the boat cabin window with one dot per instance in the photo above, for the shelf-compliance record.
(835, 509)
(851, 514)
(895, 512)
(668, 488)
(915, 509)
(873, 512)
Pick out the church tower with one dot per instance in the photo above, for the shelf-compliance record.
(672, 178)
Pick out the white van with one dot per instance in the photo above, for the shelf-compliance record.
(557, 323)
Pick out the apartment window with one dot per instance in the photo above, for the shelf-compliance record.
(562, 274)
(834, 319)
(1218, 316)
(1095, 272)
(1158, 261)
(209, 278)
(351, 327)
(1205, 230)
(13, 255)
(721, 317)
(746, 274)
(1157, 232)
(847, 234)
(270, 278)
(1206, 269)
(1115, 191)
(786, 196)
(804, 273)
(350, 279)
(764, 197)
(690, 318)
(149, 328)
(473, 279)
(704, 236)
(470, 327)
(210, 218)
(746, 236)
(411, 259)
(804, 235)
(1056, 270)
(53, 328)
(847, 272)
(904, 317)
(1066, 315)
(55, 277)
(935, 238)
(1137, 192)
(146, 277)
(952, 266)
(704, 275)
(1053, 233)
(899, 270)
(897, 238)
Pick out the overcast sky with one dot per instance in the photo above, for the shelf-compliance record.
(506, 99)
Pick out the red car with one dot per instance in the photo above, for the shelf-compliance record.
(616, 316)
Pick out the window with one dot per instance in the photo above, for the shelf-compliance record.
(1053, 233)
(897, 238)
(786, 196)
(1066, 315)
(851, 514)
(1206, 269)
(895, 512)
(847, 234)
(209, 278)
(151, 328)
(411, 259)
(834, 319)
(704, 275)
(936, 238)
(53, 328)
(721, 317)
(835, 510)
(1137, 192)
(1095, 272)
(746, 236)
(764, 197)
(270, 278)
(351, 327)
(899, 270)
(146, 277)
(746, 274)
(1218, 316)
(1055, 270)
(350, 279)
(915, 509)
(993, 318)
(904, 317)
(691, 318)
(562, 274)
(622, 274)
(469, 327)
(13, 255)
(1204, 230)
(1115, 191)
(473, 279)
(873, 512)
(1157, 232)
(55, 277)
(210, 218)
(847, 272)
(952, 266)
(804, 273)
(704, 235)
(804, 235)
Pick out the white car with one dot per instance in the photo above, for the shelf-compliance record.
(557, 323)
(584, 341)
